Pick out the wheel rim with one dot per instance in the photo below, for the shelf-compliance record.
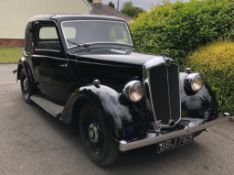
(25, 85)
(94, 135)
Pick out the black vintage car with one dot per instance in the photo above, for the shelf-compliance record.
(84, 70)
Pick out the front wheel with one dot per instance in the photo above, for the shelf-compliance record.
(26, 86)
(96, 137)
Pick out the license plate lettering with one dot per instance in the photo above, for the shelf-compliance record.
(173, 143)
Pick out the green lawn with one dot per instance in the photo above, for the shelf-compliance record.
(10, 55)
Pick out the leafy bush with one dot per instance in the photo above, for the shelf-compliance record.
(177, 29)
(216, 62)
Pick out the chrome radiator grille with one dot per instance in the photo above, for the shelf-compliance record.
(163, 81)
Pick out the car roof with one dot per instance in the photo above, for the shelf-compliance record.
(67, 17)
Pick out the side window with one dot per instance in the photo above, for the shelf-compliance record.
(48, 33)
(46, 38)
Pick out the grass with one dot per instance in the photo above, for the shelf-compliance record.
(10, 55)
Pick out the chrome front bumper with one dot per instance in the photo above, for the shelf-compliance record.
(154, 139)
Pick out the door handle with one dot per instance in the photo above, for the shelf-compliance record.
(63, 65)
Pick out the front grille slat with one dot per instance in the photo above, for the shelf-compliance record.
(164, 91)
(174, 89)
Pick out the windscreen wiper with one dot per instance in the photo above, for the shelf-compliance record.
(79, 44)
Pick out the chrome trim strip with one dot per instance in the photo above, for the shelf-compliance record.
(153, 139)
(168, 91)
(150, 95)
(179, 95)
(49, 57)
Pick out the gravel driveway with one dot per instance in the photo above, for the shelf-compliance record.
(32, 142)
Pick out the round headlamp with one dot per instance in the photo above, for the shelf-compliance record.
(134, 90)
(194, 82)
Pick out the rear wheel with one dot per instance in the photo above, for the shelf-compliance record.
(26, 86)
(96, 137)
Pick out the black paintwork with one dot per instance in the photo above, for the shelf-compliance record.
(66, 78)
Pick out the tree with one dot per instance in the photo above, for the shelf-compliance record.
(90, 1)
(131, 10)
(112, 5)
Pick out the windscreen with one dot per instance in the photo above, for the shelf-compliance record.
(95, 31)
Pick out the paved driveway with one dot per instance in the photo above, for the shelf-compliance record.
(32, 142)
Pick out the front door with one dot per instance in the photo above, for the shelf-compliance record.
(52, 70)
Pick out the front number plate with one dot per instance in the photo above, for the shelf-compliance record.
(174, 143)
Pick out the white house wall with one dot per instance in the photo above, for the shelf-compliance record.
(15, 13)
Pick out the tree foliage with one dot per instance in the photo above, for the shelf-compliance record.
(131, 10)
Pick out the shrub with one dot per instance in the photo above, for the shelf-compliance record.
(216, 62)
(177, 29)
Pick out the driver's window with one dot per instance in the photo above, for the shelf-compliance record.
(48, 33)
(46, 38)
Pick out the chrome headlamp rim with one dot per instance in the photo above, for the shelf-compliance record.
(134, 91)
(194, 82)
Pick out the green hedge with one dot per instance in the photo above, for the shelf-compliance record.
(177, 29)
(216, 63)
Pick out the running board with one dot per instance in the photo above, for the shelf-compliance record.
(50, 107)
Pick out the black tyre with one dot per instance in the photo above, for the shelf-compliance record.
(96, 137)
(26, 86)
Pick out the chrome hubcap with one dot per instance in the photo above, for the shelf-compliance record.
(93, 133)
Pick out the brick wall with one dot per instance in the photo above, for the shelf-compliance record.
(11, 42)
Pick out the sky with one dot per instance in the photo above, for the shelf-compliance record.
(145, 4)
